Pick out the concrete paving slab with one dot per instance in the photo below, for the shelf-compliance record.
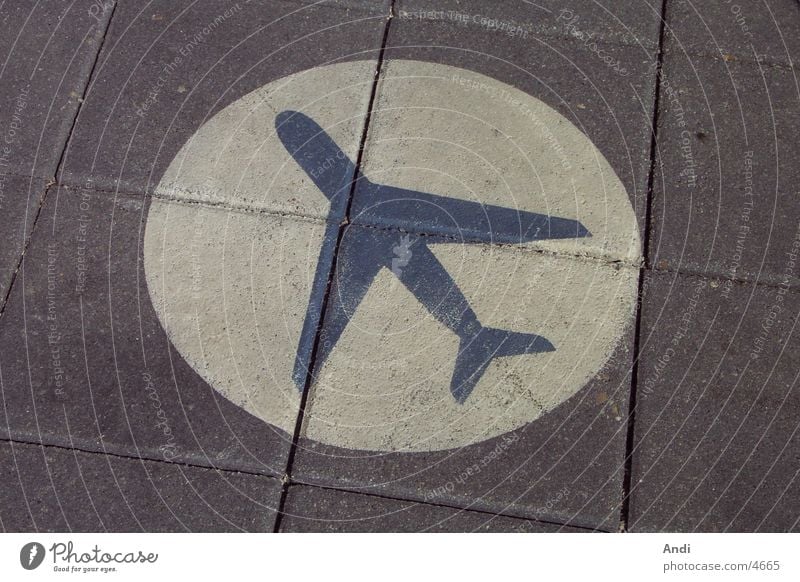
(19, 202)
(609, 101)
(440, 135)
(725, 190)
(627, 22)
(383, 413)
(313, 509)
(716, 434)
(86, 362)
(47, 52)
(168, 68)
(735, 31)
(62, 490)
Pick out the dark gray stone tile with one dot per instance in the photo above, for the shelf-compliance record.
(716, 435)
(63, 490)
(627, 22)
(47, 50)
(725, 188)
(313, 509)
(19, 202)
(765, 31)
(86, 363)
(167, 67)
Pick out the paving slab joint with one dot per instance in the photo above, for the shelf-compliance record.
(309, 376)
(631, 421)
(11, 440)
(469, 509)
(53, 181)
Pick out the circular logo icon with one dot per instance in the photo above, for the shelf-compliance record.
(31, 555)
(463, 271)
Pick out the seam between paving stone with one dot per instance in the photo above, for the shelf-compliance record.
(735, 60)
(793, 286)
(19, 441)
(509, 513)
(443, 505)
(25, 243)
(51, 182)
(589, 256)
(304, 398)
(743, 277)
(627, 478)
(300, 216)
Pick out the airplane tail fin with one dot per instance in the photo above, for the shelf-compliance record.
(476, 352)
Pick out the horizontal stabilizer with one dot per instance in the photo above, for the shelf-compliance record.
(475, 353)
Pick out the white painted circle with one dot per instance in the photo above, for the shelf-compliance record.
(235, 229)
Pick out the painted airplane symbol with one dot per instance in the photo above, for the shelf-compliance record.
(363, 252)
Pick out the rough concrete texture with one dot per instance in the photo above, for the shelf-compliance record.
(48, 51)
(735, 31)
(725, 189)
(312, 509)
(716, 435)
(56, 489)
(231, 289)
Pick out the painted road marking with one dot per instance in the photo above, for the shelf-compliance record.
(513, 241)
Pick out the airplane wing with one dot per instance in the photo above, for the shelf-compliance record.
(361, 255)
(317, 154)
(463, 219)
